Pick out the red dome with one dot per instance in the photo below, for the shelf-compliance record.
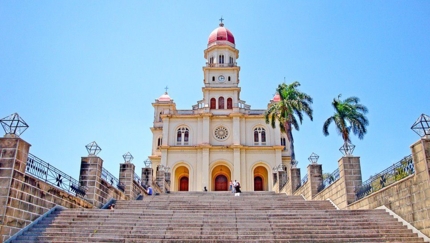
(164, 97)
(221, 34)
(276, 98)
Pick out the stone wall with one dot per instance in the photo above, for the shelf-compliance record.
(24, 198)
(409, 197)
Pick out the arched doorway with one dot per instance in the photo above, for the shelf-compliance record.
(181, 179)
(261, 177)
(221, 183)
(258, 183)
(183, 184)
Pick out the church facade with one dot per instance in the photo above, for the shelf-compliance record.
(221, 138)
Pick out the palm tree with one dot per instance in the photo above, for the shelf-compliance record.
(349, 115)
(291, 107)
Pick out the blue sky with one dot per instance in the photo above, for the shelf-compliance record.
(83, 71)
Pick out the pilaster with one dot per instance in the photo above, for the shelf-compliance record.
(205, 170)
(236, 161)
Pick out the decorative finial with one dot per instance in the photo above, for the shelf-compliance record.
(422, 125)
(166, 88)
(93, 149)
(221, 24)
(13, 125)
(128, 157)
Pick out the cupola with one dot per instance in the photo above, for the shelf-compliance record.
(221, 36)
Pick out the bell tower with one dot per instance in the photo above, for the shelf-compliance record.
(221, 73)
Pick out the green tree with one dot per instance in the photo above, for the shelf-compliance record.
(289, 110)
(348, 116)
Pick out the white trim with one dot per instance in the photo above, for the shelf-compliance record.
(405, 223)
(328, 199)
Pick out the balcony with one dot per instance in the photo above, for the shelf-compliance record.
(221, 64)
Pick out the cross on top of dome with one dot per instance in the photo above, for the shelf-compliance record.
(221, 23)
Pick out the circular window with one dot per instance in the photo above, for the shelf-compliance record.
(221, 133)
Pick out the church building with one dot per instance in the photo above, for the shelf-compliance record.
(221, 138)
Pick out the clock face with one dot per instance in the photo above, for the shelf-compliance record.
(221, 78)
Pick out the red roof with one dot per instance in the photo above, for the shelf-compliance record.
(221, 34)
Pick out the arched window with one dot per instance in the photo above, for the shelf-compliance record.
(159, 142)
(259, 136)
(229, 78)
(213, 78)
(231, 60)
(213, 103)
(182, 136)
(211, 60)
(221, 59)
(221, 102)
(159, 117)
(229, 103)
(283, 143)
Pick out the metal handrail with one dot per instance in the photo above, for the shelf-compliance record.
(44, 171)
(108, 177)
(334, 176)
(396, 172)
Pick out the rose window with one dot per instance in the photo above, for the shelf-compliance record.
(221, 133)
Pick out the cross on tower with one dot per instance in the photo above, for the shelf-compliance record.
(221, 19)
(166, 88)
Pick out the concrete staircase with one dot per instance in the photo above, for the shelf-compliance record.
(219, 217)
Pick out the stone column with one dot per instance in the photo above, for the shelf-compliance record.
(295, 179)
(147, 176)
(282, 180)
(160, 180)
(314, 178)
(167, 180)
(13, 161)
(350, 171)
(90, 178)
(275, 182)
(126, 178)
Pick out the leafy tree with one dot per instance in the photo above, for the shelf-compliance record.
(348, 116)
(289, 110)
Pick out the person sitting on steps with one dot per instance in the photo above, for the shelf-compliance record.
(149, 190)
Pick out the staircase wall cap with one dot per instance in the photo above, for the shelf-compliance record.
(405, 223)
(28, 227)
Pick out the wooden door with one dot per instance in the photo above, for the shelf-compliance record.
(258, 183)
(221, 183)
(183, 184)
